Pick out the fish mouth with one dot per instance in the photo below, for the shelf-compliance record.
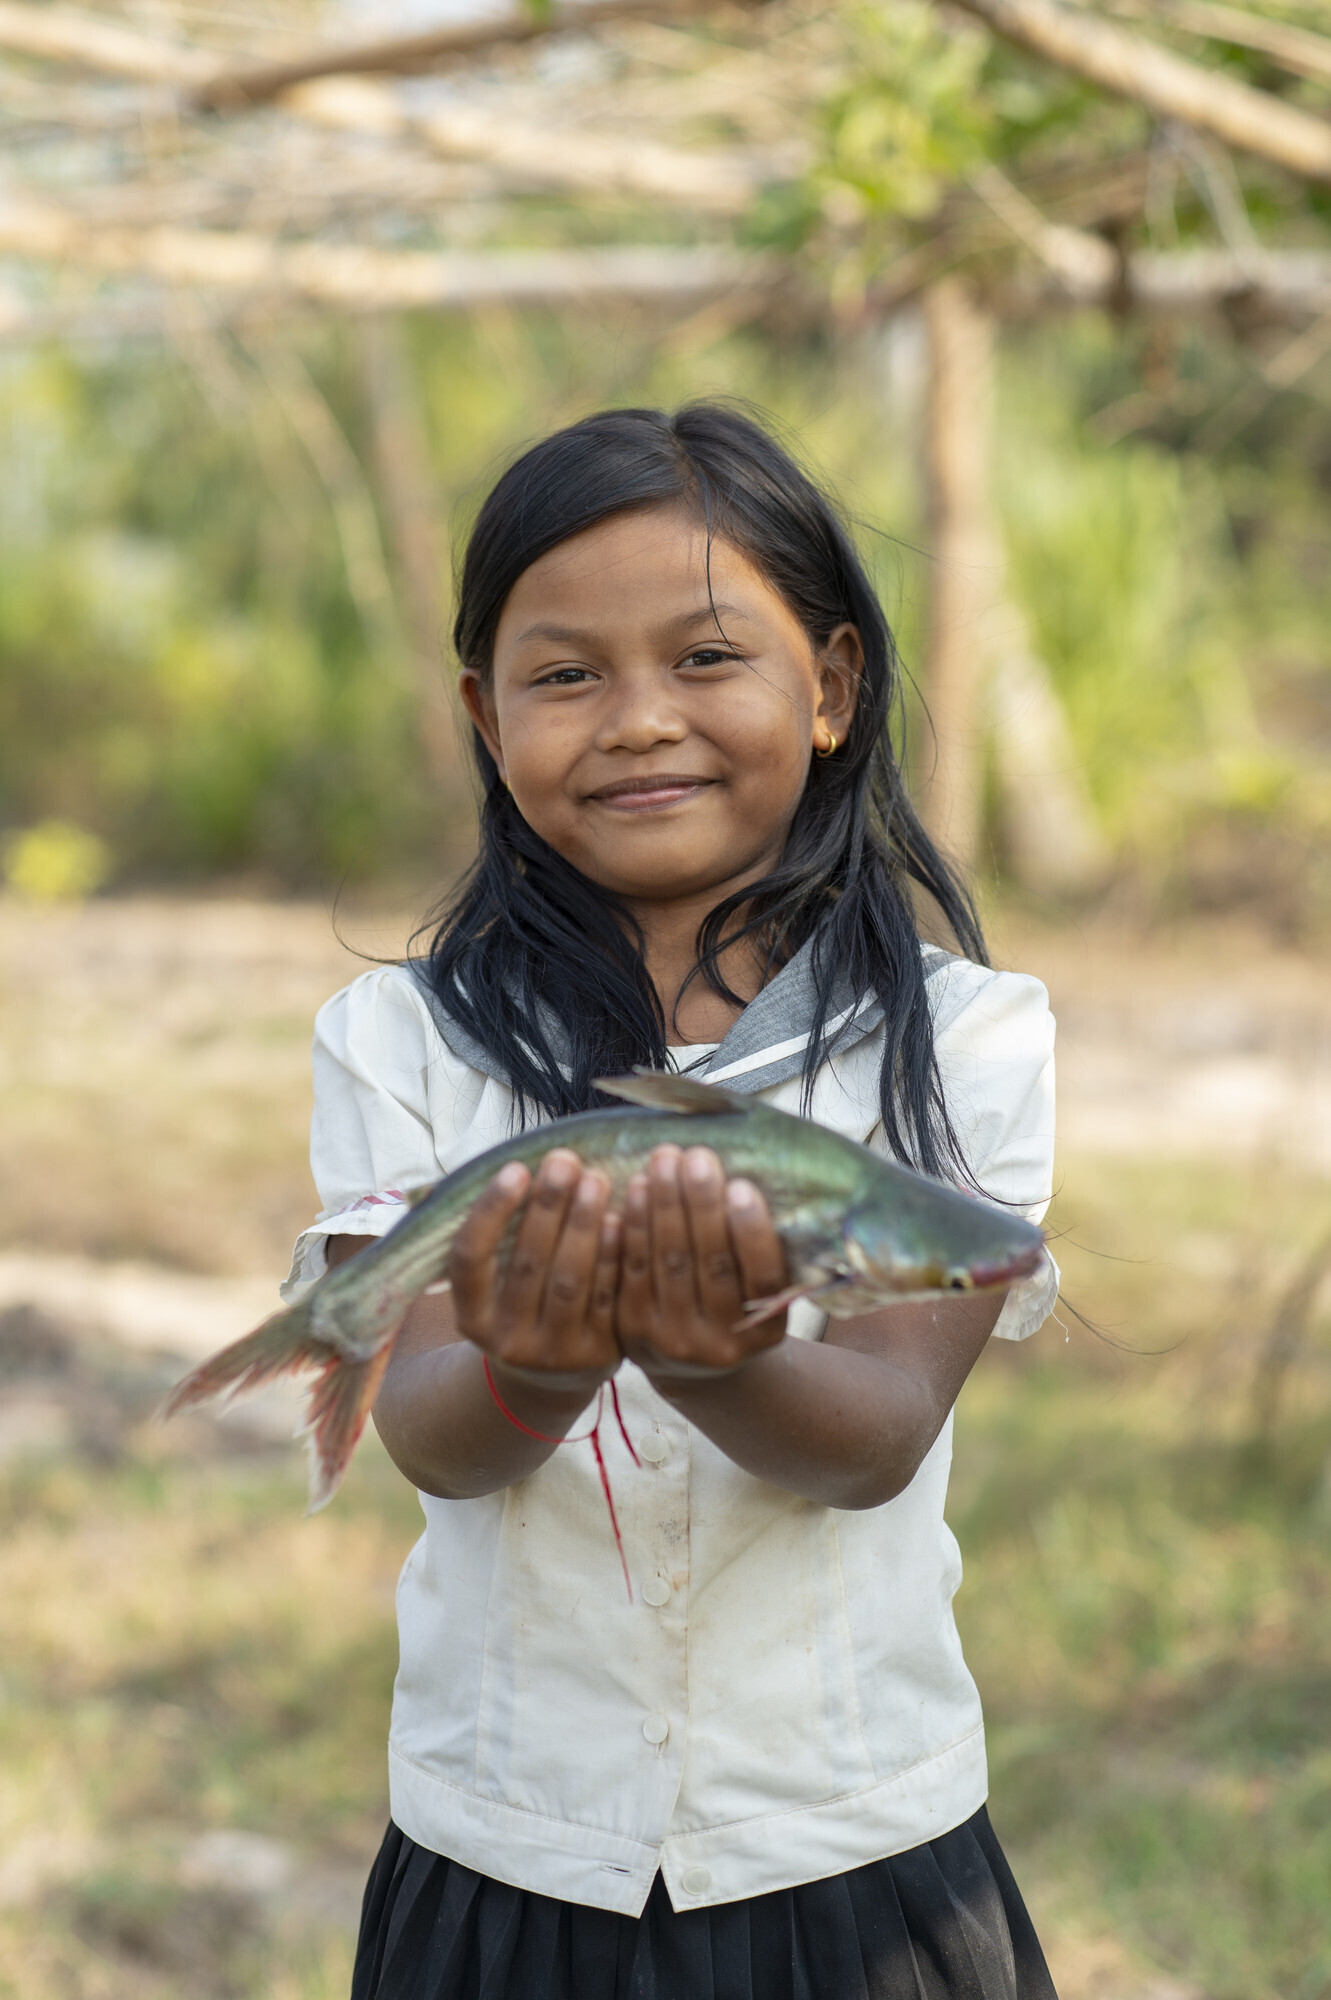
(1003, 1271)
(917, 1280)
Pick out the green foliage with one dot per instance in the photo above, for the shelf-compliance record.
(906, 120)
(1115, 553)
(185, 676)
(1178, 603)
(920, 102)
(181, 673)
(55, 862)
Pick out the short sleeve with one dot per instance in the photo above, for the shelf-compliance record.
(384, 1084)
(994, 1039)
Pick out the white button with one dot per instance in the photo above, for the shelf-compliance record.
(656, 1729)
(654, 1448)
(696, 1881)
(656, 1591)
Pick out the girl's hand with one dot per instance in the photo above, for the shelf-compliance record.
(549, 1315)
(694, 1250)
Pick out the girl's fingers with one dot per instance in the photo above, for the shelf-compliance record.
(636, 1304)
(523, 1284)
(672, 1248)
(572, 1264)
(605, 1280)
(762, 1261)
(718, 1277)
(471, 1265)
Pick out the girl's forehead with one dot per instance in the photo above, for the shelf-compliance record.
(637, 562)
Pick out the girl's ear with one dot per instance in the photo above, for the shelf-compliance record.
(478, 700)
(840, 665)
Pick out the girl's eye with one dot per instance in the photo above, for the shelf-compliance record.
(707, 656)
(564, 677)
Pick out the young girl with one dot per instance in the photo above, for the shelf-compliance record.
(761, 1776)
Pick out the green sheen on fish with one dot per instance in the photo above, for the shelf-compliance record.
(859, 1232)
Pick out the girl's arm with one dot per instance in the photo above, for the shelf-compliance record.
(846, 1421)
(552, 1311)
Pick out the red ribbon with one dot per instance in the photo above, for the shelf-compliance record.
(592, 1437)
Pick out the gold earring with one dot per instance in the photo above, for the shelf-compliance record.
(831, 746)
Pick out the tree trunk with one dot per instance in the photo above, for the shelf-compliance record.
(984, 683)
(1048, 835)
(402, 476)
(965, 564)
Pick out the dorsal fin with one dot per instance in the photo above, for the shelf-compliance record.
(660, 1091)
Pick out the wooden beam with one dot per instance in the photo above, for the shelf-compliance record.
(1281, 285)
(1082, 262)
(93, 41)
(76, 36)
(1163, 83)
(1290, 48)
(355, 278)
(577, 158)
(259, 83)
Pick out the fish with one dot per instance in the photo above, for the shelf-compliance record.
(859, 1232)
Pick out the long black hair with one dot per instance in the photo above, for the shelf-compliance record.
(543, 967)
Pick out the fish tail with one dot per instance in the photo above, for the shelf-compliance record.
(338, 1406)
(283, 1344)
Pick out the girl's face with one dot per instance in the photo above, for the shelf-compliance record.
(660, 747)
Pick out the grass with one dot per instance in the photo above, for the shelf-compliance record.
(1148, 1595)
(1147, 1608)
(185, 1653)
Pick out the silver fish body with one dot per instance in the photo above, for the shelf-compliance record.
(858, 1230)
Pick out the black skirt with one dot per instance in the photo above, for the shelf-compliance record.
(941, 1922)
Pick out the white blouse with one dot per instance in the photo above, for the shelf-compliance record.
(785, 1696)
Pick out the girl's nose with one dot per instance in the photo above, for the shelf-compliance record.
(640, 715)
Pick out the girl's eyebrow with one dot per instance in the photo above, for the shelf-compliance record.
(561, 635)
(574, 635)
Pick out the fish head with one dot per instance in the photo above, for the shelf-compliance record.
(909, 1235)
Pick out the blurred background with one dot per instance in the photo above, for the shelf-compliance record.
(1044, 292)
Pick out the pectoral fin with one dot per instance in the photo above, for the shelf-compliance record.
(813, 1289)
(660, 1091)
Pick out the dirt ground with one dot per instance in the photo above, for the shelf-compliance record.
(154, 1102)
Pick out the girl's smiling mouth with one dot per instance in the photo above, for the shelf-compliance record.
(649, 794)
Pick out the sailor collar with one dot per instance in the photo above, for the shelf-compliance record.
(765, 1046)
